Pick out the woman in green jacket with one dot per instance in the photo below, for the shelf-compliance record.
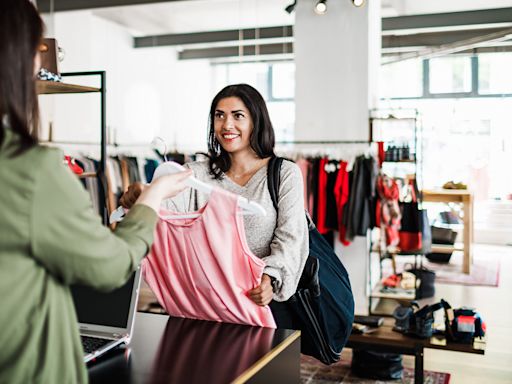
(49, 235)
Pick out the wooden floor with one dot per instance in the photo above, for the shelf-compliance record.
(495, 305)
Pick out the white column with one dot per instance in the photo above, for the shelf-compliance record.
(337, 58)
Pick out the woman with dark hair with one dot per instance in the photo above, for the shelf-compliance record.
(50, 236)
(240, 145)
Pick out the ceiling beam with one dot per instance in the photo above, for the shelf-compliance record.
(75, 5)
(457, 46)
(243, 51)
(446, 20)
(434, 38)
(403, 23)
(213, 37)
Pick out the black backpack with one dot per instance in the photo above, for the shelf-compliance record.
(323, 304)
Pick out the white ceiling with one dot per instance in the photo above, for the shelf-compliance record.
(210, 15)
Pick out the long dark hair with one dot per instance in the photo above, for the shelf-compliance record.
(262, 137)
(21, 29)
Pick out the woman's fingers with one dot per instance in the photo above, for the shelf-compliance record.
(131, 195)
(262, 294)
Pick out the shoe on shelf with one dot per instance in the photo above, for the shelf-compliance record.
(452, 185)
(391, 281)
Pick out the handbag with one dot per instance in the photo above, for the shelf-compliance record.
(417, 322)
(377, 365)
(427, 280)
(415, 233)
(323, 305)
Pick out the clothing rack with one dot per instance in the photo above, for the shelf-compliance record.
(324, 142)
(87, 143)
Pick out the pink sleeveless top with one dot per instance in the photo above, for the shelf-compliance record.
(201, 268)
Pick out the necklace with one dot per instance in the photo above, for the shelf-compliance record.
(245, 174)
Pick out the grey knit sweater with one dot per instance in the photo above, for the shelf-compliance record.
(280, 240)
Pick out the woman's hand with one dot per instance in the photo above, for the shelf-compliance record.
(131, 195)
(262, 294)
(162, 188)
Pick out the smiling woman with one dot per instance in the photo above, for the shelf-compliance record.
(240, 145)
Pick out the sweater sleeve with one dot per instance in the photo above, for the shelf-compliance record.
(289, 247)
(68, 239)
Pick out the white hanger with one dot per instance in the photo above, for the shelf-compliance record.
(170, 167)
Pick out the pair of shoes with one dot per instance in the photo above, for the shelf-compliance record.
(391, 281)
(77, 170)
(408, 281)
(452, 185)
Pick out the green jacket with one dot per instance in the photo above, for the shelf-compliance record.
(51, 238)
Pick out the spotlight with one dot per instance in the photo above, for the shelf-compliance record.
(358, 3)
(290, 8)
(321, 7)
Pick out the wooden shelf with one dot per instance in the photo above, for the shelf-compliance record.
(45, 87)
(447, 248)
(87, 174)
(406, 294)
(400, 161)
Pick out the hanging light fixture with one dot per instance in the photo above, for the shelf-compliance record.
(358, 3)
(321, 7)
(290, 8)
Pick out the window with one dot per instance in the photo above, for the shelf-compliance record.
(402, 79)
(276, 83)
(451, 74)
(283, 81)
(494, 73)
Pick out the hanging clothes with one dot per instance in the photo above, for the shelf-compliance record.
(388, 210)
(361, 216)
(341, 192)
(202, 268)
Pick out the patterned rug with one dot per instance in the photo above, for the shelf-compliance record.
(485, 270)
(314, 372)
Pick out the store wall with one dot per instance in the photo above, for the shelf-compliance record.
(337, 60)
(149, 92)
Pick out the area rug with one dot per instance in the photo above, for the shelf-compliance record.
(485, 270)
(314, 372)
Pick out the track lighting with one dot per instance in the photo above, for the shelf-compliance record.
(290, 8)
(321, 7)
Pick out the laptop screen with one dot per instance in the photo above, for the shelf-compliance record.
(110, 309)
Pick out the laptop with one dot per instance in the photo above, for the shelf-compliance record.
(106, 319)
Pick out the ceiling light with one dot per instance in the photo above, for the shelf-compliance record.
(321, 7)
(290, 8)
(358, 3)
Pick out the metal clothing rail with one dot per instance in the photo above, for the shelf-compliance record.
(323, 142)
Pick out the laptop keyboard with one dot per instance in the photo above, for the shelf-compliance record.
(91, 344)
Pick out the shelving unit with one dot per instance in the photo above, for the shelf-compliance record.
(465, 198)
(406, 134)
(51, 88)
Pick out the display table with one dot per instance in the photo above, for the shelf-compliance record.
(384, 339)
(466, 199)
(175, 350)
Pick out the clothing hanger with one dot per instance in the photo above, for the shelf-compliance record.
(170, 167)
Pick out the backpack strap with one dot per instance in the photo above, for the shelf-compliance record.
(274, 178)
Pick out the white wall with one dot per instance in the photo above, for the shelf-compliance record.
(149, 92)
(337, 60)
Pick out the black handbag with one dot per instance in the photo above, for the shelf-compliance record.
(323, 305)
(427, 280)
(417, 322)
(377, 365)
